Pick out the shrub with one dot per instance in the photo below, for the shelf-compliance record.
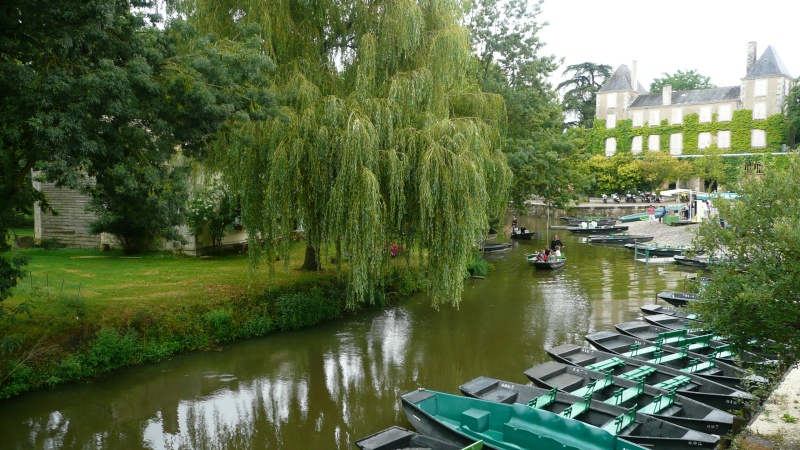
(301, 309)
(220, 324)
(112, 349)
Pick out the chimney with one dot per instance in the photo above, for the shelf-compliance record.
(666, 95)
(751, 56)
(634, 84)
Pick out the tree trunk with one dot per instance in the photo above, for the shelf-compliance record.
(310, 262)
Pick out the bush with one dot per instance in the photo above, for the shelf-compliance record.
(221, 324)
(478, 266)
(111, 350)
(301, 309)
(255, 326)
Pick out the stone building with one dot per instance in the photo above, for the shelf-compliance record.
(734, 119)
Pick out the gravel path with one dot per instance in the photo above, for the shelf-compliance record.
(662, 233)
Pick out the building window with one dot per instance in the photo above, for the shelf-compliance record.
(611, 121)
(705, 114)
(761, 88)
(724, 113)
(636, 145)
(758, 138)
(676, 143)
(677, 116)
(759, 111)
(654, 119)
(611, 100)
(654, 142)
(638, 119)
(724, 139)
(611, 146)
(754, 168)
(703, 140)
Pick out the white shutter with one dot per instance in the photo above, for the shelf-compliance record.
(611, 146)
(638, 118)
(724, 139)
(611, 121)
(759, 111)
(677, 116)
(636, 145)
(724, 113)
(655, 118)
(703, 140)
(758, 138)
(705, 114)
(654, 142)
(676, 143)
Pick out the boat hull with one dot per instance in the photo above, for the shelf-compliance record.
(598, 229)
(677, 299)
(397, 438)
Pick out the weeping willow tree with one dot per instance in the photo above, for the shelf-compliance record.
(382, 137)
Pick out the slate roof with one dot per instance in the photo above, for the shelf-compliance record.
(769, 65)
(621, 81)
(714, 95)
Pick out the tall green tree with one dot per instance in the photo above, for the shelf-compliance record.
(512, 64)
(753, 292)
(793, 114)
(93, 89)
(382, 137)
(681, 81)
(580, 91)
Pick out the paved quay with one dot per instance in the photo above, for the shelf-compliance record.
(776, 425)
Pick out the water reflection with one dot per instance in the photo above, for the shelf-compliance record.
(325, 387)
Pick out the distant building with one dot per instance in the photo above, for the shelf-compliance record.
(735, 119)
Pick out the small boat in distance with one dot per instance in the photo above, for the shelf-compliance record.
(657, 249)
(491, 248)
(677, 298)
(600, 229)
(554, 262)
(619, 238)
(522, 233)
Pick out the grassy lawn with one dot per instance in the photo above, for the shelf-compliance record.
(68, 286)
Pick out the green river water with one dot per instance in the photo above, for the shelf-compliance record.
(325, 387)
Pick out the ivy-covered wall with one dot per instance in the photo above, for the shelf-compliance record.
(740, 126)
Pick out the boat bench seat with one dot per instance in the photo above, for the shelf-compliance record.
(581, 359)
(566, 382)
(475, 419)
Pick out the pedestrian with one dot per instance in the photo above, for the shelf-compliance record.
(556, 242)
(651, 211)
(662, 213)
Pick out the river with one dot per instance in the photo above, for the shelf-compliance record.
(325, 387)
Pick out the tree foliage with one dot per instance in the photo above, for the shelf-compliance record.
(793, 114)
(755, 287)
(580, 91)
(681, 81)
(658, 168)
(382, 137)
(511, 63)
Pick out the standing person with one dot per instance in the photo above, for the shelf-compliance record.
(662, 213)
(651, 211)
(556, 242)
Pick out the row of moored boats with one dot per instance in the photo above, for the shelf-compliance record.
(663, 383)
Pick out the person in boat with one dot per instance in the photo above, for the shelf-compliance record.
(556, 242)
(547, 253)
(522, 229)
(557, 251)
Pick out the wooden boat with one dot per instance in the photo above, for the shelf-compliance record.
(658, 250)
(600, 229)
(555, 262)
(491, 235)
(690, 385)
(701, 262)
(397, 438)
(597, 222)
(464, 420)
(706, 366)
(519, 234)
(692, 329)
(683, 322)
(621, 238)
(645, 430)
(635, 217)
(677, 298)
(654, 309)
(491, 248)
(681, 411)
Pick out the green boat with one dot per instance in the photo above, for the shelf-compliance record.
(464, 420)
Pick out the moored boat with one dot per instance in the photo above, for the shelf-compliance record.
(600, 229)
(683, 322)
(398, 438)
(653, 309)
(701, 262)
(619, 238)
(706, 366)
(521, 233)
(645, 430)
(657, 250)
(491, 248)
(682, 410)
(464, 420)
(552, 263)
(690, 385)
(677, 298)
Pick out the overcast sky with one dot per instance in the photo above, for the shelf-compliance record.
(709, 36)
